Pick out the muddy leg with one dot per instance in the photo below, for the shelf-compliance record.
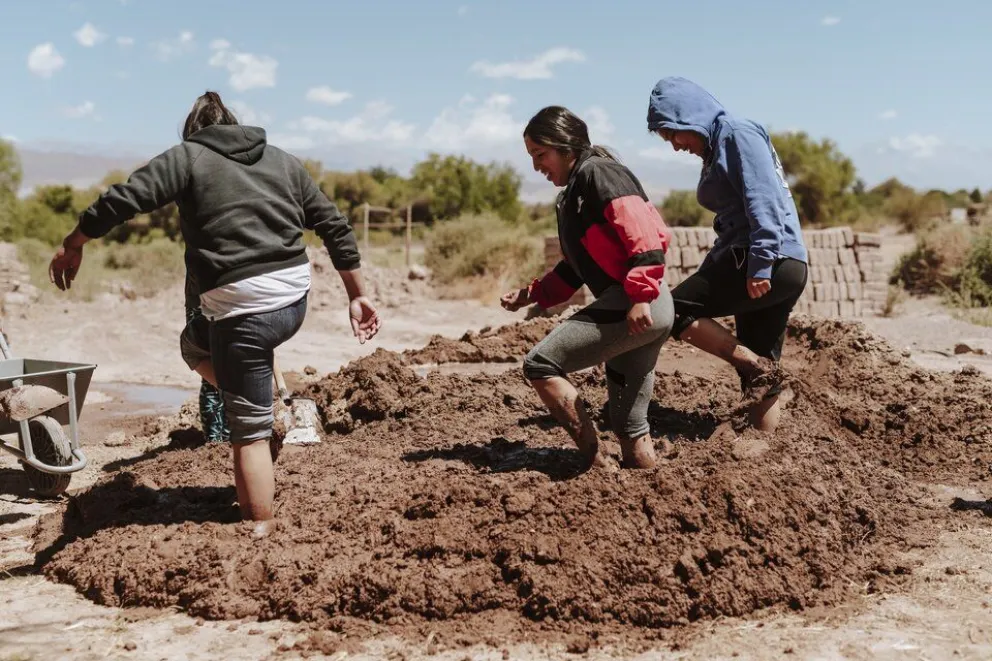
(761, 373)
(765, 414)
(562, 399)
(254, 480)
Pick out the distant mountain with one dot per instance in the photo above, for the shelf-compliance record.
(58, 166)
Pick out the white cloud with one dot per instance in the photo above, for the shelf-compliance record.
(44, 60)
(888, 114)
(327, 96)
(247, 71)
(125, 42)
(829, 21)
(370, 125)
(9, 138)
(89, 35)
(168, 49)
(248, 115)
(472, 123)
(537, 68)
(916, 145)
(600, 127)
(85, 109)
(669, 155)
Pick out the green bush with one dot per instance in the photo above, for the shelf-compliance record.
(974, 283)
(483, 245)
(680, 208)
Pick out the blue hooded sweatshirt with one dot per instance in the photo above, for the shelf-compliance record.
(742, 180)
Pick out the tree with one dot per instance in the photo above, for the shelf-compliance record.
(10, 184)
(680, 208)
(976, 196)
(822, 179)
(455, 185)
(10, 169)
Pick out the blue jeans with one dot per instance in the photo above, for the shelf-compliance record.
(241, 350)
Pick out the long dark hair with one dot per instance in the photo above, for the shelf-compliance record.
(207, 110)
(559, 128)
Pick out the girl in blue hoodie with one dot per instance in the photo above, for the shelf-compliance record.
(757, 268)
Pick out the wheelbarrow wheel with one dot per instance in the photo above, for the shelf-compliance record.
(51, 446)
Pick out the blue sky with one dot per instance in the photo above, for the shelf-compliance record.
(900, 86)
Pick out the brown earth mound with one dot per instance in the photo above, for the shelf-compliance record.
(453, 496)
(507, 344)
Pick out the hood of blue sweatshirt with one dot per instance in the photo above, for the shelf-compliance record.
(678, 104)
(742, 180)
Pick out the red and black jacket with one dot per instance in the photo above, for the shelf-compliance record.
(610, 234)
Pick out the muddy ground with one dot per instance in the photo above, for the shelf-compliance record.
(445, 517)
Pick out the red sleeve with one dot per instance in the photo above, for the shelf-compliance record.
(557, 286)
(646, 238)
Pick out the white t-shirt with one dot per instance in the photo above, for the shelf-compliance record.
(260, 293)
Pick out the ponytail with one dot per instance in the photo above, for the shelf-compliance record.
(208, 109)
(604, 152)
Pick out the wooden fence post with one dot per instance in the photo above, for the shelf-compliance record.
(365, 236)
(409, 232)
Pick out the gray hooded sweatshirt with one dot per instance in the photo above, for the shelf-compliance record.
(243, 206)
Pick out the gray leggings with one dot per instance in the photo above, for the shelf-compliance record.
(599, 333)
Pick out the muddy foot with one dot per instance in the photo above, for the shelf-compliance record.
(766, 381)
(638, 452)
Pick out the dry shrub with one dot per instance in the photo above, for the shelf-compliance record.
(482, 248)
(935, 264)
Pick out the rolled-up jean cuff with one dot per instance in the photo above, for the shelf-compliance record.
(248, 422)
(193, 354)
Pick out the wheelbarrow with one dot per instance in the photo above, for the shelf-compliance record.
(48, 456)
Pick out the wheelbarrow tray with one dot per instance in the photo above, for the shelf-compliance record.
(48, 373)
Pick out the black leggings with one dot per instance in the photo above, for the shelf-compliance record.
(719, 289)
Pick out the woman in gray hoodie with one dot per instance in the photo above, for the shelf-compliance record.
(243, 207)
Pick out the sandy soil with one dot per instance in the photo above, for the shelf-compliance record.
(932, 603)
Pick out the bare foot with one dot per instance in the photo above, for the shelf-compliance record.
(638, 452)
(764, 381)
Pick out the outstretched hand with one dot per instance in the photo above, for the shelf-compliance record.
(365, 320)
(64, 266)
(515, 300)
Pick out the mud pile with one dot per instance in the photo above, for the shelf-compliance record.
(507, 344)
(452, 496)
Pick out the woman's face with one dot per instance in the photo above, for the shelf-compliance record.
(550, 162)
(689, 141)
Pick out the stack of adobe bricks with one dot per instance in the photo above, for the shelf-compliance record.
(846, 274)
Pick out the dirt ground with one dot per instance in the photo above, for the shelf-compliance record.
(443, 517)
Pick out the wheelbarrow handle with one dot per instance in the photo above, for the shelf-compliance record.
(7, 355)
(79, 463)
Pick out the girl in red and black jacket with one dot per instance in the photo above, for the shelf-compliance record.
(614, 241)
